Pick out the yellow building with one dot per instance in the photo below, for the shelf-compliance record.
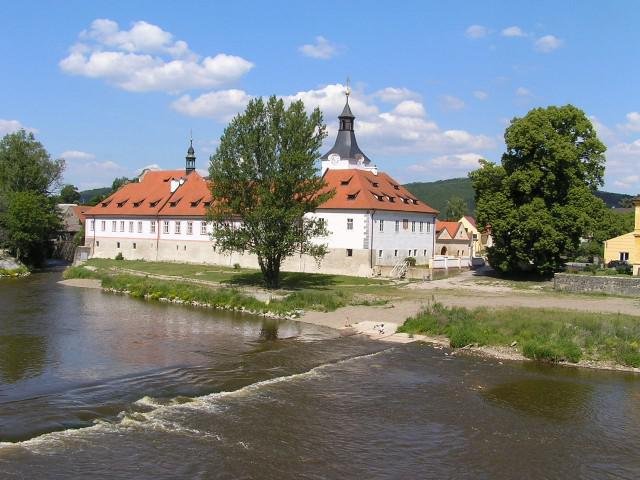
(626, 248)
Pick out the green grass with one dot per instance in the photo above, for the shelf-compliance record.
(222, 297)
(14, 272)
(551, 335)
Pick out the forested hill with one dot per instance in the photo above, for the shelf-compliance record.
(87, 195)
(437, 193)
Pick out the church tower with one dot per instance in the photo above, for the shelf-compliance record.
(191, 159)
(346, 153)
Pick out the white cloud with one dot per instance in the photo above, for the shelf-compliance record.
(480, 94)
(628, 182)
(633, 122)
(547, 44)
(221, 105)
(454, 164)
(151, 166)
(146, 58)
(395, 95)
(449, 102)
(77, 155)
(405, 129)
(476, 31)
(513, 31)
(11, 126)
(523, 92)
(322, 49)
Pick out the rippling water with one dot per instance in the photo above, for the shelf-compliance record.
(169, 392)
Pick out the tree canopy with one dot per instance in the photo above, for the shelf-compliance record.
(28, 214)
(540, 201)
(69, 194)
(264, 180)
(456, 209)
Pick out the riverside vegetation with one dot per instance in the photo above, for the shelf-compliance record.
(549, 335)
(539, 334)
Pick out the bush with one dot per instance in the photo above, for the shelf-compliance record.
(552, 351)
(624, 268)
(119, 256)
(410, 261)
(236, 266)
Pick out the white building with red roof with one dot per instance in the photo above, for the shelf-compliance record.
(372, 220)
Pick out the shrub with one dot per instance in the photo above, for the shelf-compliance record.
(410, 261)
(236, 266)
(119, 256)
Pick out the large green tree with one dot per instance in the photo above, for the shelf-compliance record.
(540, 201)
(28, 214)
(265, 180)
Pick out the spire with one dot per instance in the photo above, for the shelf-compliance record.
(191, 157)
(345, 151)
(346, 117)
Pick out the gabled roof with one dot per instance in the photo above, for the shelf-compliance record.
(451, 228)
(471, 220)
(363, 190)
(152, 196)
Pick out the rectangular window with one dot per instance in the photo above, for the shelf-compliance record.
(397, 225)
(413, 226)
(134, 245)
(428, 227)
(92, 226)
(203, 228)
(624, 256)
(97, 243)
(424, 253)
(421, 227)
(349, 252)
(130, 227)
(395, 253)
(189, 228)
(152, 226)
(118, 244)
(381, 226)
(415, 252)
(103, 225)
(177, 227)
(405, 224)
(165, 226)
(139, 227)
(122, 225)
(349, 224)
(114, 225)
(379, 253)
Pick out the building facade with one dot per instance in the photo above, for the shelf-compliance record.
(372, 220)
(626, 248)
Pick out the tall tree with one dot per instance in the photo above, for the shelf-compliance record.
(540, 200)
(28, 215)
(69, 194)
(265, 180)
(456, 209)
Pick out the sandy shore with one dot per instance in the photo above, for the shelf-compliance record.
(81, 282)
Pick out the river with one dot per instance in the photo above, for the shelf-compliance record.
(95, 385)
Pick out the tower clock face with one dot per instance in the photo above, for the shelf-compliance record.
(334, 158)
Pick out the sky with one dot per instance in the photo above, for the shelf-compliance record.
(114, 87)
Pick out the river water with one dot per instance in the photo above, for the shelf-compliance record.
(94, 385)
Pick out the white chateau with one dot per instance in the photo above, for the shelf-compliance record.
(372, 220)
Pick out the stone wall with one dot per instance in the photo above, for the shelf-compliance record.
(618, 285)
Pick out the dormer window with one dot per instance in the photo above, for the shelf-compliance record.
(195, 203)
(352, 196)
(174, 203)
(207, 204)
(154, 203)
(396, 187)
(105, 204)
(375, 184)
(138, 203)
(121, 204)
(346, 181)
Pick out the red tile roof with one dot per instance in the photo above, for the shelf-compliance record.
(80, 211)
(151, 195)
(363, 190)
(471, 220)
(451, 227)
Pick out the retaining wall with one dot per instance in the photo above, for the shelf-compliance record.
(628, 286)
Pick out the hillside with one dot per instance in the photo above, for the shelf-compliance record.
(87, 195)
(437, 193)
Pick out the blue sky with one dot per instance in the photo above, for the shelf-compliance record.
(115, 87)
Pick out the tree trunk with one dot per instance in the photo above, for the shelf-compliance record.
(270, 272)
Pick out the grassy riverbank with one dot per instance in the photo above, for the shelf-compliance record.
(551, 335)
(14, 272)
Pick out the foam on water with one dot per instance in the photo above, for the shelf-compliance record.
(156, 419)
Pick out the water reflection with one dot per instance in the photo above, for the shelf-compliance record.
(543, 397)
(269, 330)
(21, 356)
